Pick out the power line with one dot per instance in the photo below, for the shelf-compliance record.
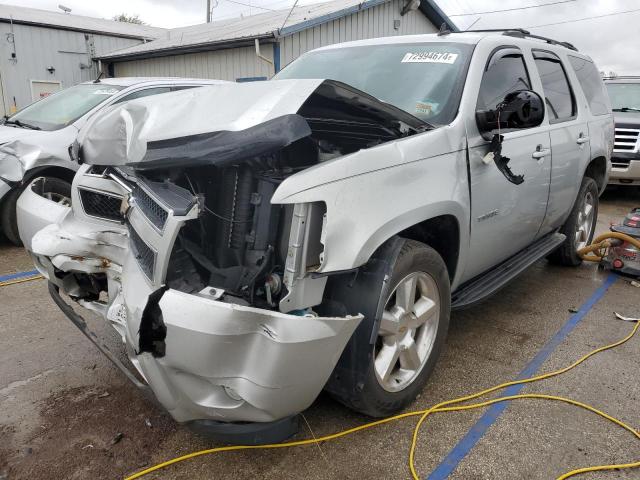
(585, 18)
(510, 9)
(289, 14)
(251, 6)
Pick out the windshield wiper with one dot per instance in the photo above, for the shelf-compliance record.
(20, 124)
(626, 109)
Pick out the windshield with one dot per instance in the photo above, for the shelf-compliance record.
(424, 79)
(624, 96)
(65, 107)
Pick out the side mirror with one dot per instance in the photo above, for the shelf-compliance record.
(518, 110)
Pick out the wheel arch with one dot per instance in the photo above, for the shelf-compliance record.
(440, 228)
(597, 169)
(439, 225)
(442, 233)
(56, 171)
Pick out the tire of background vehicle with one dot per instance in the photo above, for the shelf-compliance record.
(581, 222)
(378, 396)
(56, 187)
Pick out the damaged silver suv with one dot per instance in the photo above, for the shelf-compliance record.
(256, 243)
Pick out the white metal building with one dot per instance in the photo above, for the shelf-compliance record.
(43, 51)
(255, 47)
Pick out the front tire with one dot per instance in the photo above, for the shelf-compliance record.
(410, 333)
(580, 226)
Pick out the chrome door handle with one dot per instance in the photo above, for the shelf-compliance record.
(582, 139)
(540, 153)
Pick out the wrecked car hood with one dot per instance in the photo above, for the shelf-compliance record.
(120, 136)
(218, 121)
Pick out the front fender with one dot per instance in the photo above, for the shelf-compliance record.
(366, 208)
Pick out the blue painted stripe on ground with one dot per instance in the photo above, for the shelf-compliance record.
(15, 276)
(464, 446)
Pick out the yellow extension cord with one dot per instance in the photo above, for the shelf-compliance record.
(443, 407)
(594, 252)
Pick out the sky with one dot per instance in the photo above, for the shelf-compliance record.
(612, 40)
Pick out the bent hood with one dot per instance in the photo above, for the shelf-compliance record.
(223, 123)
(120, 135)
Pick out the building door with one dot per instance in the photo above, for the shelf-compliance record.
(44, 88)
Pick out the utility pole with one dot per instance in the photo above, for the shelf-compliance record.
(208, 11)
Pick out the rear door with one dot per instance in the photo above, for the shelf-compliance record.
(569, 137)
(506, 217)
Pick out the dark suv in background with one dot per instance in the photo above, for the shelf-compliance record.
(624, 93)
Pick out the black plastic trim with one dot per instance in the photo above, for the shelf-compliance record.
(255, 433)
(488, 283)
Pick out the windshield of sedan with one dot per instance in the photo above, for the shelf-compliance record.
(624, 96)
(63, 108)
(424, 79)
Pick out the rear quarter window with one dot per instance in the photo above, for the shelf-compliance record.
(591, 84)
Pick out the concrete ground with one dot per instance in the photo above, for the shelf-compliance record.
(64, 407)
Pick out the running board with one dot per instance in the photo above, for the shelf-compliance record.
(493, 280)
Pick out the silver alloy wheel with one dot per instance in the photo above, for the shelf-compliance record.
(586, 221)
(407, 331)
(57, 198)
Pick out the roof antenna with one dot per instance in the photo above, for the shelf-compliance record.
(97, 80)
(444, 30)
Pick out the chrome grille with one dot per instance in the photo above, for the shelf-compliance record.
(626, 139)
(149, 207)
(101, 205)
(143, 253)
(622, 163)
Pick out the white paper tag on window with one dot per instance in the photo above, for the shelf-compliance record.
(430, 57)
(106, 91)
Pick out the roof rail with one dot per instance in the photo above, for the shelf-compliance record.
(522, 33)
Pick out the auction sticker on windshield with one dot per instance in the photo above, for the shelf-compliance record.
(106, 91)
(430, 57)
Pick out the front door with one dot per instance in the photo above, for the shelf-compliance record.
(505, 217)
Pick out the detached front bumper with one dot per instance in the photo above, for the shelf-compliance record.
(233, 363)
(219, 362)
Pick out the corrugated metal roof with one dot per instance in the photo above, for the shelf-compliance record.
(264, 25)
(32, 16)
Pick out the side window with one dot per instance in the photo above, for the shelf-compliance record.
(557, 91)
(143, 93)
(591, 84)
(505, 73)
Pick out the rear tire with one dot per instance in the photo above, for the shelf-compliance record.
(54, 189)
(410, 334)
(580, 226)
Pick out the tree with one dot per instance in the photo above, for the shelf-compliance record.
(123, 17)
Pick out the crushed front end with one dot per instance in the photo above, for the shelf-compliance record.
(145, 254)
(174, 238)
